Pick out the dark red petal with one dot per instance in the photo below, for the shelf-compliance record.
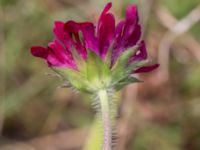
(106, 9)
(134, 37)
(61, 35)
(105, 30)
(131, 21)
(54, 57)
(106, 33)
(58, 29)
(71, 26)
(127, 33)
(104, 12)
(39, 51)
(59, 56)
(131, 12)
(118, 44)
(73, 29)
(91, 42)
(141, 53)
(146, 68)
(119, 29)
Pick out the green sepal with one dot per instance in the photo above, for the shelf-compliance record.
(119, 68)
(135, 65)
(75, 78)
(125, 82)
(92, 74)
(97, 71)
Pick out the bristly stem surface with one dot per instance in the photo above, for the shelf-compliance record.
(101, 132)
(106, 120)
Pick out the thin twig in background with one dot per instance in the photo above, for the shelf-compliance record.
(192, 45)
(167, 20)
(2, 75)
(174, 31)
(146, 8)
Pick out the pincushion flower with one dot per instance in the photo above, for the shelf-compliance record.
(98, 59)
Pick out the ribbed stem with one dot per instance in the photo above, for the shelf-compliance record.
(106, 120)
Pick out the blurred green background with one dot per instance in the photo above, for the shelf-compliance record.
(163, 113)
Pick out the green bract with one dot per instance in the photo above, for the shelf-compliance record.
(95, 74)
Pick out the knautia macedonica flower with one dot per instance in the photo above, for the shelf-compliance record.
(98, 58)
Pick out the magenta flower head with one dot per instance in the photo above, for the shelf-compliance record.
(102, 56)
(98, 59)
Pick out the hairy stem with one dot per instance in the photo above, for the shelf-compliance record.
(106, 120)
(100, 137)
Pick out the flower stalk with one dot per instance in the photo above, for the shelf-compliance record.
(101, 132)
(106, 119)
